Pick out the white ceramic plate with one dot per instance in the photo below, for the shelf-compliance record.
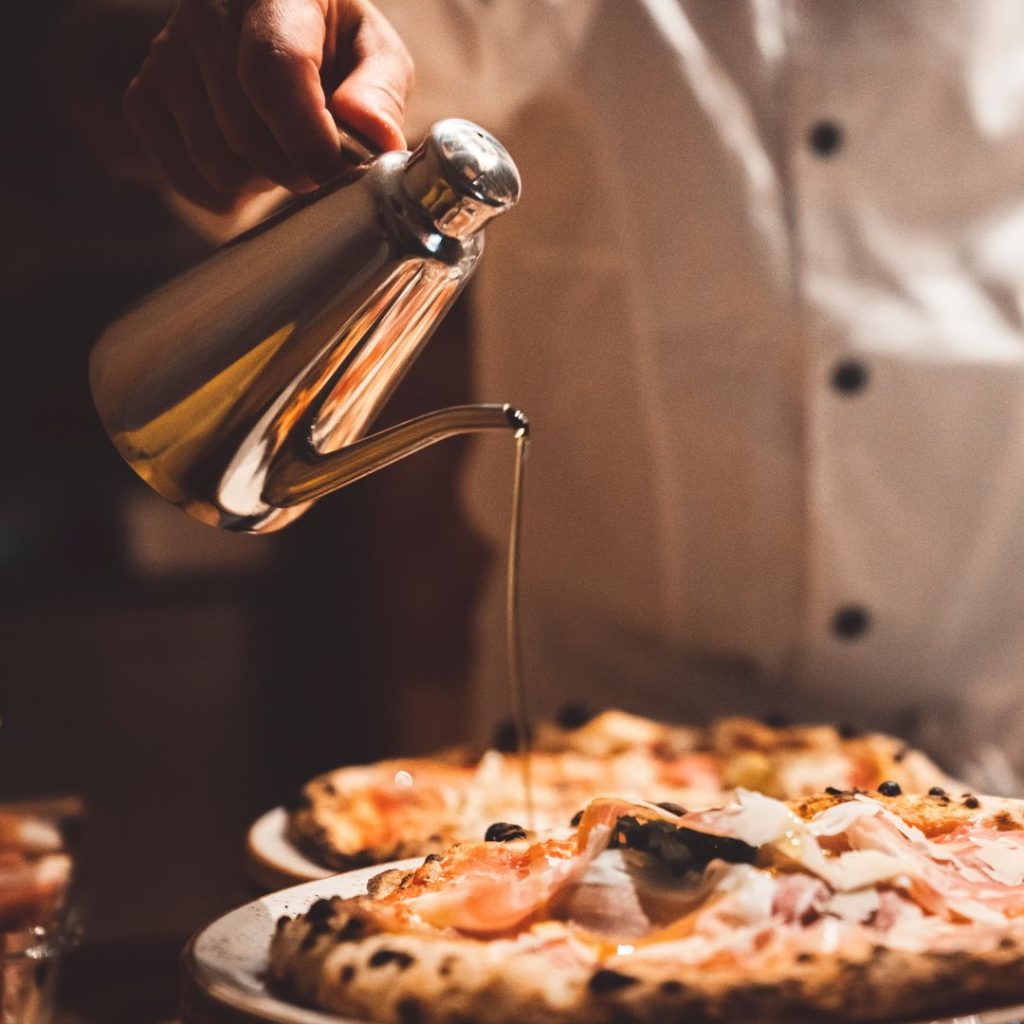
(271, 859)
(223, 967)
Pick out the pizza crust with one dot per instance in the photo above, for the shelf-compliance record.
(376, 958)
(414, 979)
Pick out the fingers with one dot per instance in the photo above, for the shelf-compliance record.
(212, 39)
(160, 138)
(372, 98)
(244, 131)
(280, 53)
(232, 98)
(189, 106)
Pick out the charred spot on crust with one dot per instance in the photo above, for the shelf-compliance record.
(573, 716)
(890, 788)
(1003, 821)
(804, 958)
(432, 858)
(606, 980)
(297, 800)
(847, 731)
(671, 987)
(317, 917)
(281, 922)
(348, 972)
(320, 912)
(681, 849)
(937, 791)
(409, 1010)
(383, 957)
(901, 755)
(972, 803)
(1006, 942)
(355, 928)
(672, 808)
(575, 820)
(833, 791)
(504, 832)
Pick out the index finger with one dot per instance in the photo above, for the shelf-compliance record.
(280, 52)
(372, 96)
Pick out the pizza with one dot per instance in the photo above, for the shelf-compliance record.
(841, 906)
(369, 814)
(35, 870)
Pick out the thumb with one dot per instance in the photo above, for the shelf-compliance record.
(373, 96)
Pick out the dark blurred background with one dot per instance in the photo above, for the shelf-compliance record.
(180, 679)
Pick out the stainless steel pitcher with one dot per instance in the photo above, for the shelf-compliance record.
(241, 389)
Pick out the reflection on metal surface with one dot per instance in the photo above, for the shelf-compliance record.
(239, 390)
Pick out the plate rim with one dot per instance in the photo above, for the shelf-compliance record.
(267, 869)
(207, 998)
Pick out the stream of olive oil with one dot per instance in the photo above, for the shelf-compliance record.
(513, 636)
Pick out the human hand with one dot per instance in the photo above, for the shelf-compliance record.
(236, 96)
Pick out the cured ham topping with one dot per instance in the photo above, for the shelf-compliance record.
(724, 885)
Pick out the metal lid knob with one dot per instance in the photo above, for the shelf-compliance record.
(461, 177)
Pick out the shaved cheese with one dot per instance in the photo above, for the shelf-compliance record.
(975, 911)
(859, 868)
(915, 835)
(855, 906)
(838, 819)
(1003, 860)
(754, 891)
(757, 820)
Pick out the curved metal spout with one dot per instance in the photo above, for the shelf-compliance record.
(296, 480)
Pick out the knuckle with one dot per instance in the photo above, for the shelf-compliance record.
(390, 95)
(262, 57)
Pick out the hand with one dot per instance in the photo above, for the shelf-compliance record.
(238, 95)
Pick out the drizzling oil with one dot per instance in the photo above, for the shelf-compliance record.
(513, 638)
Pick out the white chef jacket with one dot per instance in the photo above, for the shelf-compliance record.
(762, 301)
